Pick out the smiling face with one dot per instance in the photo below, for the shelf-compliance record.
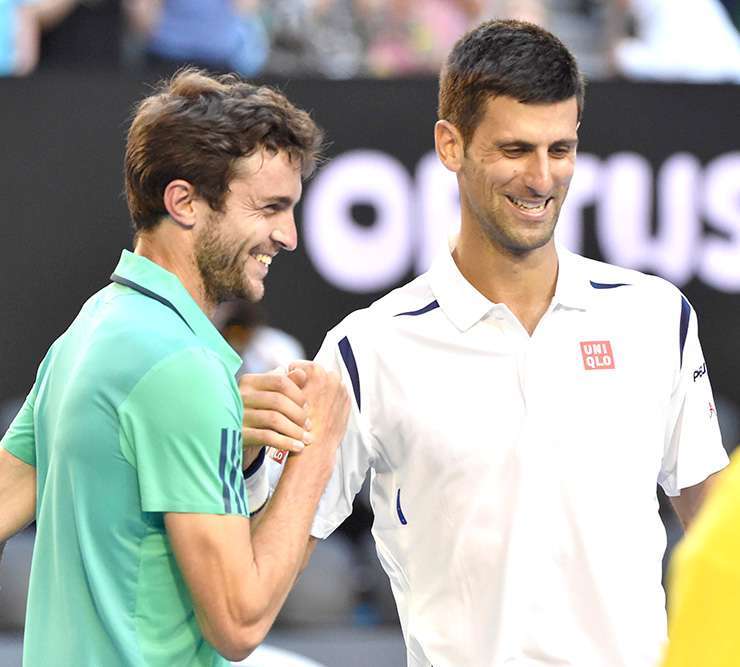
(515, 172)
(234, 248)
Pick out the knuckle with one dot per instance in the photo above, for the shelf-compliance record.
(272, 420)
(273, 401)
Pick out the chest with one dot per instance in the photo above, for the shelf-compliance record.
(486, 404)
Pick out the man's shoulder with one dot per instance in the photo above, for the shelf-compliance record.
(607, 279)
(121, 337)
(383, 315)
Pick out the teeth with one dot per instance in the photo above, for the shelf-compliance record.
(525, 206)
(265, 259)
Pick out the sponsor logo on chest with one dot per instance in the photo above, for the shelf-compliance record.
(597, 355)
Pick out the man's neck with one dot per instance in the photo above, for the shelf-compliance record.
(163, 246)
(525, 283)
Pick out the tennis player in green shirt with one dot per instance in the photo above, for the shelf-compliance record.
(130, 450)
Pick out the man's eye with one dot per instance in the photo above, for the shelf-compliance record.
(560, 151)
(513, 152)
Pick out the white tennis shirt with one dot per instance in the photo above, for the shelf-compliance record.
(513, 478)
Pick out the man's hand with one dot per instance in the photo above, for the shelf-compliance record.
(275, 412)
(328, 409)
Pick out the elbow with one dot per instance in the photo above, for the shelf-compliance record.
(242, 644)
(239, 640)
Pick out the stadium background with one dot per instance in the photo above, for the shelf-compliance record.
(657, 188)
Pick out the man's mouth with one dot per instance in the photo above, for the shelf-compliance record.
(262, 257)
(529, 205)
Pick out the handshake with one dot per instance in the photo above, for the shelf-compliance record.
(303, 411)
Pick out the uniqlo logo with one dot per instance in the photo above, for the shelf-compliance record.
(278, 455)
(597, 355)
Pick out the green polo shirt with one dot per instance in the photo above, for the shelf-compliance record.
(134, 412)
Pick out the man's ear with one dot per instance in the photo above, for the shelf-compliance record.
(179, 198)
(448, 143)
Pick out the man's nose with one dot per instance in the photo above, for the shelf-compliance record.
(538, 175)
(285, 233)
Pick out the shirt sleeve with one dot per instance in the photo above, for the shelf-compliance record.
(693, 445)
(181, 429)
(705, 582)
(354, 456)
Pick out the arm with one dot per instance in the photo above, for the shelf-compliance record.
(142, 15)
(50, 13)
(238, 576)
(17, 495)
(693, 450)
(691, 499)
(18, 471)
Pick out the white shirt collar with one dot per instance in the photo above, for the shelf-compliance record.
(465, 305)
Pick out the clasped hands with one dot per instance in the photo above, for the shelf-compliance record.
(291, 411)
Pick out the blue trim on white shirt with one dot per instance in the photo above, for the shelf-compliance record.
(607, 285)
(349, 361)
(401, 517)
(683, 328)
(421, 311)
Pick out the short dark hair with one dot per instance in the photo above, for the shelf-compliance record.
(196, 126)
(512, 58)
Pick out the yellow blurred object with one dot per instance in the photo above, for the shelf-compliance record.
(704, 602)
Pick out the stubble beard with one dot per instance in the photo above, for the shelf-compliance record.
(222, 266)
(500, 229)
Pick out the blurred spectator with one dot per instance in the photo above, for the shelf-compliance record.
(534, 11)
(222, 35)
(261, 347)
(314, 38)
(89, 36)
(584, 25)
(407, 37)
(679, 40)
(21, 24)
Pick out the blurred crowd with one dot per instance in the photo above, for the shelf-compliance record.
(677, 40)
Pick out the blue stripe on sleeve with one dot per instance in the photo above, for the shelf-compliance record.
(683, 328)
(421, 311)
(234, 468)
(607, 285)
(399, 511)
(240, 487)
(349, 361)
(222, 470)
(243, 494)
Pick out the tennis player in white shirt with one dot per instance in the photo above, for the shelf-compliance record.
(517, 404)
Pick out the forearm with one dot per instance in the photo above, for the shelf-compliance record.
(687, 505)
(17, 495)
(280, 537)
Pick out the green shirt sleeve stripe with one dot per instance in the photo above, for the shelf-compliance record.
(232, 484)
(235, 476)
(222, 470)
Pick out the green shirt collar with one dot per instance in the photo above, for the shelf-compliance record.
(152, 280)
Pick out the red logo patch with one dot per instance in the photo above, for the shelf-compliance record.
(278, 455)
(597, 355)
